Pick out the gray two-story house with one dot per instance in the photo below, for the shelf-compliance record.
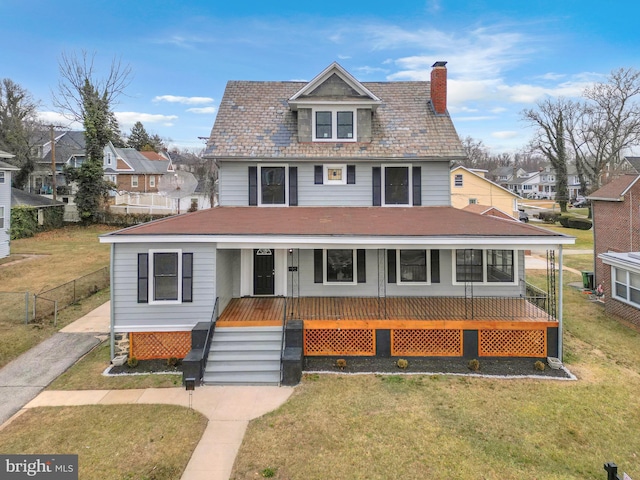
(335, 216)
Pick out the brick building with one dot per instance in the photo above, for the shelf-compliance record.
(616, 219)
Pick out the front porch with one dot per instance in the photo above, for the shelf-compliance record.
(408, 326)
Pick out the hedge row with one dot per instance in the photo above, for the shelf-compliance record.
(25, 222)
(577, 223)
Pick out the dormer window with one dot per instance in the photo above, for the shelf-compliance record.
(334, 125)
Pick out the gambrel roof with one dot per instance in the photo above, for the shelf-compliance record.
(255, 120)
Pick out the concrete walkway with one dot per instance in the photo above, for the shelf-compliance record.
(229, 409)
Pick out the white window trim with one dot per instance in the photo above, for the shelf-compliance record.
(108, 158)
(383, 183)
(484, 268)
(325, 174)
(2, 217)
(151, 277)
(324, 267)
(286, 185)
(627, 283)
(134, 181)
(2, 177)
(152, 181)
(334, 124)
(456, 177)
(428, 267)
(473, 201)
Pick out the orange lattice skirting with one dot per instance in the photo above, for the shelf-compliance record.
(150, 345)
(512, 343)
(361, 342)
(426, 342)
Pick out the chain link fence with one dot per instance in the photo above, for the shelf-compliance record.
(47, 304)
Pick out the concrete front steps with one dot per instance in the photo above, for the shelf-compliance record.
(244, 356)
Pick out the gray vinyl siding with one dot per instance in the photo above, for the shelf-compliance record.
(446, 288)
(5, 201)
(435, 184)
(129, 314)
(227, 276)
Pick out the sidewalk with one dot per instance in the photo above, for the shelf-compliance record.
(228, 408)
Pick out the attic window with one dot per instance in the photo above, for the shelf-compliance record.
(334, 125)
(458, 180)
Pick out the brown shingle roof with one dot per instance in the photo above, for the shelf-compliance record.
(615, 189)
(255, 121)
(337, 221)
(484, 210)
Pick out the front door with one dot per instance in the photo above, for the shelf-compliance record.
(263, 271)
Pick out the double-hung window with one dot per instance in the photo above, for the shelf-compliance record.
(1, 177)
(334, 125)
(273, 184)
(165, 276)
(134, 181)
(2, 217)
(626, 286)
(340, 266)
(458, 180)
(485, 266)
(397, 185)
(412, 266)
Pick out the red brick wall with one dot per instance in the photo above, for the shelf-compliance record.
(124, 183)
(617, 229)
(439, 89)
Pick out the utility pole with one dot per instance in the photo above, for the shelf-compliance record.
(53, 161)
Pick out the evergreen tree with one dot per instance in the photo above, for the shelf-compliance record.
(139, 138)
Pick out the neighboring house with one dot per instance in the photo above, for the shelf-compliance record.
(69, 151)
(617, 245)
(484, 210)
(5, 203)
(527, 185)
(469, 187)
(503, 175)
(335, 223)
(132, 171)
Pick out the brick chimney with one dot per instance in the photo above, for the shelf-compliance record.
(439, 87)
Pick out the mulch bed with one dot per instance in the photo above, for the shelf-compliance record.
(146, 366)
(501, 367)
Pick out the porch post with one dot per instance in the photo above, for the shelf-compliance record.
(560, 288)
(112, 304)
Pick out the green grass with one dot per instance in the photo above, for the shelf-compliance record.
(582, 262)
(584, 238)
(151, 442)
(87, 375)
(364, 427)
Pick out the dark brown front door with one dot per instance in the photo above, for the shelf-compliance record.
(263, 272)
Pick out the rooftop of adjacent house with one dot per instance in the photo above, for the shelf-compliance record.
(7, 166)
(634, 162)
(140, 163)
(68, 144)
(485, 210)
(255, 121)
(486, 180)
(340, 221)
(4, 154)
(615, 190)
(20, 197)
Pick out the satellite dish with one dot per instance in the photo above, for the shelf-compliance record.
(178, 184)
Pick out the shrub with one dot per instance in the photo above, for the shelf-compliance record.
(474, 365)
(580, 223)
(132, 362)
(548, 217)
(268, 472)
(172, 361)
(402, 363)
(564, 221)
(540, 366)
(341, 363)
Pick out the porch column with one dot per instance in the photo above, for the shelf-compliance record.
(560, 278)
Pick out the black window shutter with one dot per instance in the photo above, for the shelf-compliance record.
(143, 278)
(377, 187)
(317, 266)
(293, 186)
(317, 175)
(435, 266)
(362, 266)
(351, 174)
(417, 186)
(253, 185)
(391, 266)
(187, 277)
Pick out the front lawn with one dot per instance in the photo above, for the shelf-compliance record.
(417, 427)
(584, 238)
(111, 441)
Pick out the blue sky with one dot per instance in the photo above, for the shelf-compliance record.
(503, 54)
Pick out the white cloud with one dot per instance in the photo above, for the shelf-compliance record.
(344, 57)
(55, 118)
(128, 119)
(183, 100)
(203, 110)
(474, 119)
(369, 70)
(506, 134)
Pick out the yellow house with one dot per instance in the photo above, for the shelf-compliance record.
(469, 187)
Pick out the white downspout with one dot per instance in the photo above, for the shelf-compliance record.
(560, 326)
